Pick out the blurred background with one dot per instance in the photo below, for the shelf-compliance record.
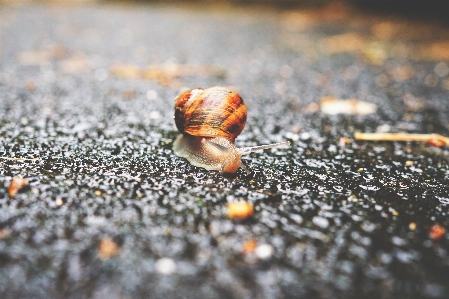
(104, 209)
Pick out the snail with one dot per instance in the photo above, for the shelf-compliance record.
(210, 119)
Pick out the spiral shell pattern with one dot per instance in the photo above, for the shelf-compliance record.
(212, 112)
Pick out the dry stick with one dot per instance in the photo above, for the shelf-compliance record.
(401, 137)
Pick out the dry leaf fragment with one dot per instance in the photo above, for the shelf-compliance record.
(4, 234)
(347, 42)
(436, 142)
(165, 74)
(129, 94)
(240, 210)
(436, 232)
(385, 30)
(33, 57)
(77, 63)
(107, 249)
(434, 51)
(402, 73)
(310, 108)
(305, 18)
(40, 56)
(297, 21)
(249, 246)
(30, 85)
(343, 141)
(375, 53)
(413, 103)
(333, 106)
(16, 184)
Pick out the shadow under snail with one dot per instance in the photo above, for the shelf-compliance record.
(210, 120)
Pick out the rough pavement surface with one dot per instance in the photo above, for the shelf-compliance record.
(106, 210)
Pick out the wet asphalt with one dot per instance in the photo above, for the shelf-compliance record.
(108, 211)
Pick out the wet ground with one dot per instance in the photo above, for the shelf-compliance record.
(108, 211)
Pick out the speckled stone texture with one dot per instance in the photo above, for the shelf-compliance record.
(110, 212)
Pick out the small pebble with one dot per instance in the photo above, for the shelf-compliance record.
(320, 221)
(107, 249)
(165, 266)
(441, 69)
(409, 163)
(305, 136)
(154, 115)
(264, 251)
(16, 184)
(240, 210)
(151, 95)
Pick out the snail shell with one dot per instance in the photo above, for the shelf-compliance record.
(210, 120)
(211, 112)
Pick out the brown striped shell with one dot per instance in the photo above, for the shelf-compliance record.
(211, 112)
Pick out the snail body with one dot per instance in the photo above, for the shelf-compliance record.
(210, 120)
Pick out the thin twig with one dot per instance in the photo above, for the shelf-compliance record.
(401, 137)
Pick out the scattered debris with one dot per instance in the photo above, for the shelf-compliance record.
(107, 249)
(16, 184)
(409, 163)
(39, 57)
(413, 103)
(30, 85)
(401, 73)
(240, 210)
(333, 106)
(249, 246)
(385, 30)
(436, 232)
(165, 74)
(433, 51)
(436, 142)
(346, 42)
(433, 139)
(129, 94)
(77, 63)
(343, 141)
(304, 19)
(310, 108)
(4, 234)
(443, 200)
(375, 53)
